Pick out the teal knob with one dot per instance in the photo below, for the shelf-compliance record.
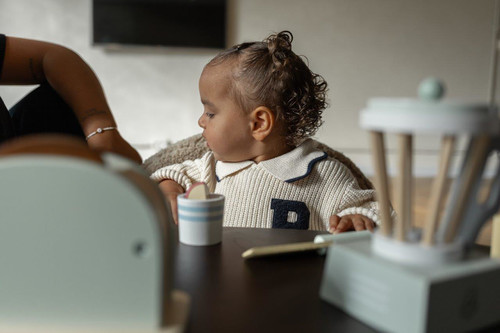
(431, 89)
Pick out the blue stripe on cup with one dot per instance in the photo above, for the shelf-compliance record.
(201, 209)
(203, 218)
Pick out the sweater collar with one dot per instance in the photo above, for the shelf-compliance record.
(289, 167)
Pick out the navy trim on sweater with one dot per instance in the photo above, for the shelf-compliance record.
(309, 168)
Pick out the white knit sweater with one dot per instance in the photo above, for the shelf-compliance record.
(300, 189)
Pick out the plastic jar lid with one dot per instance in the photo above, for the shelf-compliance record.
(405, 115)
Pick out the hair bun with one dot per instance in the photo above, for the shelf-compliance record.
(280, 46)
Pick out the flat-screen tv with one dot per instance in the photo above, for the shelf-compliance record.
(183, 23)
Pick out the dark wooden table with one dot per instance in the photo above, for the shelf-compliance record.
(269, 294)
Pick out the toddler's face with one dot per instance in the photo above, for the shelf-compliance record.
(226, 127)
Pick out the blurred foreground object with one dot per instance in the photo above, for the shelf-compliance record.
(85, 241)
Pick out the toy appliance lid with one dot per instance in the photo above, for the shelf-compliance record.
(405, 115)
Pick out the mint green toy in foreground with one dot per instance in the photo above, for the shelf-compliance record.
(84, 247)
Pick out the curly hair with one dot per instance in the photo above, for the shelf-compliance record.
(269, 73)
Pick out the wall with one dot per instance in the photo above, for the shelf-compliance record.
(363, 48)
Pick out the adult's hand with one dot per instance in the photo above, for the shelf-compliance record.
(112, 141)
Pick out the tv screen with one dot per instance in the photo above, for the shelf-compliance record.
(185, 23)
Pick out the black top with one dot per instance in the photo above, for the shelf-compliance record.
(40, 111)
(2, 51)
(6, 129)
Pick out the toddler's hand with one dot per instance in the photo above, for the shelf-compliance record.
(350, 222)
(171, 190)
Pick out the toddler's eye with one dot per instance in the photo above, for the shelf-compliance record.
(209, 115)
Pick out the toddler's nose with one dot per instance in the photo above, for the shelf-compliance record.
(201, 123)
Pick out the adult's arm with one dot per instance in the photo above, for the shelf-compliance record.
(32, 62)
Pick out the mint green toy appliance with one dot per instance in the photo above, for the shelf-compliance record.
(406, 279)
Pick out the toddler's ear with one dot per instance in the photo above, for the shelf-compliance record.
(263, 121)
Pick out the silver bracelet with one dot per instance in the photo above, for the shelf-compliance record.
(99, 130)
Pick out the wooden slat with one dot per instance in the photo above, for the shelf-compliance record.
(381, 184)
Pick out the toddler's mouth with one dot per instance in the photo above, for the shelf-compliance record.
(206, 141)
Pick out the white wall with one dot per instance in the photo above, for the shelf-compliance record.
(363, 48)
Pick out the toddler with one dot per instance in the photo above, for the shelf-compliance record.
(261, 105)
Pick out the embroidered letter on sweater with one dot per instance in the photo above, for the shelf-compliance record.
(281, 215)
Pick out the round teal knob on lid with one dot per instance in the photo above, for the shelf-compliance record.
(431, 89)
